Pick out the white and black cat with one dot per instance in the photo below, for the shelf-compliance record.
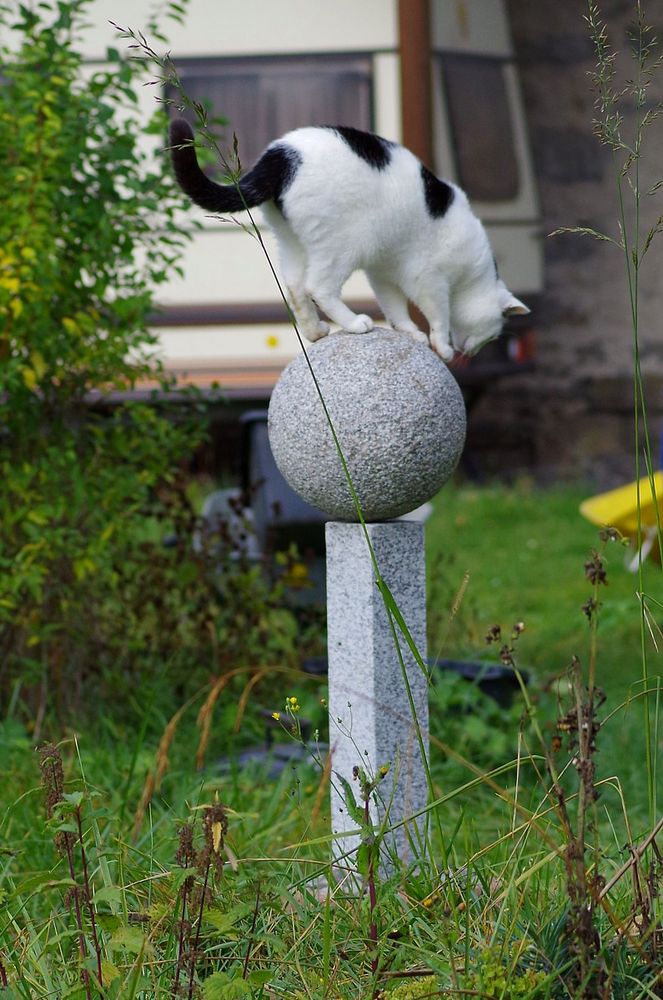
(341, 200)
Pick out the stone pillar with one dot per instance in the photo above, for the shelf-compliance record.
(400, 422)
(370, 719)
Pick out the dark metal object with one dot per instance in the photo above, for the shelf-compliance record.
(498, 682)
(274, 757)
(280, 516)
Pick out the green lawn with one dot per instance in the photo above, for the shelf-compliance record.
(524, 551)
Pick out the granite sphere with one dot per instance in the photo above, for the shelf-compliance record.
(398, 414)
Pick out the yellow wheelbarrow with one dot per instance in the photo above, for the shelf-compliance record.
(619, 509)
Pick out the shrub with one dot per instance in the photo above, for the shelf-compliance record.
(89, 596)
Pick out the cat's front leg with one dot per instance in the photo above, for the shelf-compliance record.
(412, 330)
(393, 303)
(440, 341)
(435, 307)
(360, 323)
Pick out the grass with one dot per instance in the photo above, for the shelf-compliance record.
(524, 551)
(170, 924)
(536, 545)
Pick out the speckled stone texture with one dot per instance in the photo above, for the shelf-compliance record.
(398, 413)
(370, 723)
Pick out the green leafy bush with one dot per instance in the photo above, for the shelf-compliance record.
(90, 599)
(88, 229)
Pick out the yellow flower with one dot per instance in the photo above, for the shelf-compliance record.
(276, 715)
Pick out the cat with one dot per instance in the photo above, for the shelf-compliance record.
(340, 200)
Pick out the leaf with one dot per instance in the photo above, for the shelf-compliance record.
(178, 876)
(224, 920)
(131, 939)
(395, 611)
(38, 364)
(220, 986)
(37, 517)
(363, 858)
(75, 992)
(259, 977)
(74, 799)
(42, 881)
(109, 972)
(108, 921)
(29, 377)
(83, 567)
(107, 532)
(354, 811)
(109, 894)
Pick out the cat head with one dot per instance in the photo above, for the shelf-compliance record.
(478, 315)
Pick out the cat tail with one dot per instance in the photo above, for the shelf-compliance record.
(265, 182)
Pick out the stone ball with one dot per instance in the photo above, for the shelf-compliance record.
(398, 414)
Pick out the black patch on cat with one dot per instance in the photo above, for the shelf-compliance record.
(271, 177)
(438, 194)
(268, 180)
(375, 150)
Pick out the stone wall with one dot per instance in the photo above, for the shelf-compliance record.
(574, 415)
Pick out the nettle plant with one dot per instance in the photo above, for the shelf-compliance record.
(88, 231)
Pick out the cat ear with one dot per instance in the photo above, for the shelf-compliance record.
(514, 307)
(509, 304)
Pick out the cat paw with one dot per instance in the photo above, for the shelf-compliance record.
(442, 347)
(360, 324)
(316, 332)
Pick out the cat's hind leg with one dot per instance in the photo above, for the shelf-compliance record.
(393, 303)
(293, 267)
(306, 315)
(324, 283)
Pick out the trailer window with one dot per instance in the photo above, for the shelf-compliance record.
(263, 97)
(480, 121)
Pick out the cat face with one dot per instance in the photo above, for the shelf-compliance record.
(478, 314)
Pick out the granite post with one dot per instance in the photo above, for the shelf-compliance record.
(370, 718)
(399, 419)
